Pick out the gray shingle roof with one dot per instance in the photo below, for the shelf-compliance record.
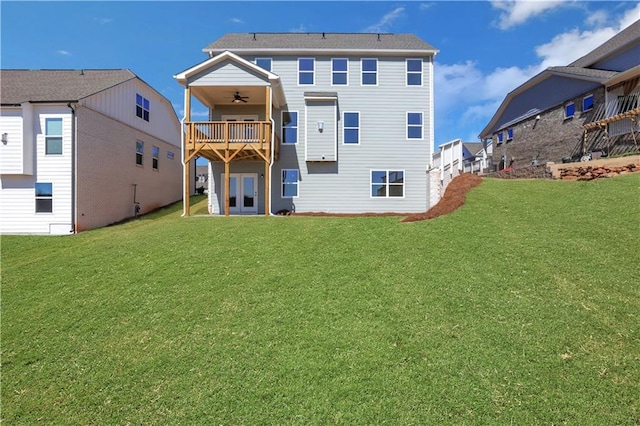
(318, 41)
(629, 34)
(592, 73)
(19, 86)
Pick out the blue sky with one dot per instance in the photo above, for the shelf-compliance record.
(487, 48)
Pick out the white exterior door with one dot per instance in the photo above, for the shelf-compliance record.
(243, 193)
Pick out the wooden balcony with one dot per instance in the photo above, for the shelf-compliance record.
(227, 140)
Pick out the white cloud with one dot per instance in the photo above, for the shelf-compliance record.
(425, 6)
(518, 12)
(63, 53)
(385, 22)
(301, 29)
(237, 21)
(630, 17)
(567, 47)
(103, 21)
(598, 18)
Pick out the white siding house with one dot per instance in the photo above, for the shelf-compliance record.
(345, 122)
(68, 157)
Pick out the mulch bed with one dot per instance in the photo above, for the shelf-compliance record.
(453, 198)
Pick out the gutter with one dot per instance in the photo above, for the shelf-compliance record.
(74, 170)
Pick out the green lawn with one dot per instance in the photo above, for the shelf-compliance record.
(522, 307)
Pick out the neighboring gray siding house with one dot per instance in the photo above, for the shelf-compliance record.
(314, 122)
(589, 107)
(82, 148)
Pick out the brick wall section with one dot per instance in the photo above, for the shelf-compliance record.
(107, 171)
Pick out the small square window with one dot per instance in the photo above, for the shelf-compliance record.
(44, 197)
(142, 107)
(264, 63)
(369, 72)
(53, 136)
(587, 103)
(306, 70)
(290, 181)
(139, 152)
(387, 183)
(569, 110)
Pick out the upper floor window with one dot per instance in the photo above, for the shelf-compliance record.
(587, 103)
(264, 63)
(500, 138)
(170, 155)
(387, 183)
(414, 125)
(509, 135)
(339, 72)
(155, 151)
(290, 180)
(414, 72)
(569, 110)
(44, 197)
(289, 127)
(139, 152)
(142, 107)
(306, 70)
(351, 126)
(53, 136)
(369, 72)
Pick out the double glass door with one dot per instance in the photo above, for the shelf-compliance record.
(243, 193)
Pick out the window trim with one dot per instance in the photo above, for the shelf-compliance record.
(47, 136)
(346, 73)
(387, 171)
(283, 183)
(142, 108)
(345, 128)
(592, 103)
(312, 72)
(42, 197)
(155, 157)
(421, 73)
(566, 107)
(407, 125)
(297, 127)
(270, 63)
(362, 71)
(140, 153)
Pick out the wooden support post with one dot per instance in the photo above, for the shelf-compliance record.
(227, 179)
(267, 138)
(187, 183)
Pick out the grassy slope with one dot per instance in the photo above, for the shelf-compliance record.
(523, 307)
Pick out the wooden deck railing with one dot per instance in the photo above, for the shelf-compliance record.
(228, 132)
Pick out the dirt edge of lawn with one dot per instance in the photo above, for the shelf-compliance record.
(454, 197)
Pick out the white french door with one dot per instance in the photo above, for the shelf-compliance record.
(243, 193)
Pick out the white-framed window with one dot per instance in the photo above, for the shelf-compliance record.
(264, 63)
(155, 154)
(339, 72)
(351, 127)
(44, 197)
(139, 152)
(53, 136)
(414, 72)
(587, 103)
(387, 183)
(142, 107)
(369, 71)
(306, 71)
(509, 135)
(500, 138)
(569, 110)
(289, 127)
(414, 125)
(290, 183)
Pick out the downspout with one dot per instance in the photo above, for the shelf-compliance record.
(74, 164)
(273, 140)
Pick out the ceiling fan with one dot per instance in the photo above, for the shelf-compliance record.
(237, 98)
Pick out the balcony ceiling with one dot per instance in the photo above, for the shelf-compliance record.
(210, 96)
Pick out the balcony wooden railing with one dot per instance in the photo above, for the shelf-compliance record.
(229, 133)
(615, 110)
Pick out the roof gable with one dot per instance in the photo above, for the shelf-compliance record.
(18, 86)
(620, 41)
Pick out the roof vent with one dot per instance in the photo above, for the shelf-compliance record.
(378, 36)
(323, 37)
(254, 36)
(82, 72)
